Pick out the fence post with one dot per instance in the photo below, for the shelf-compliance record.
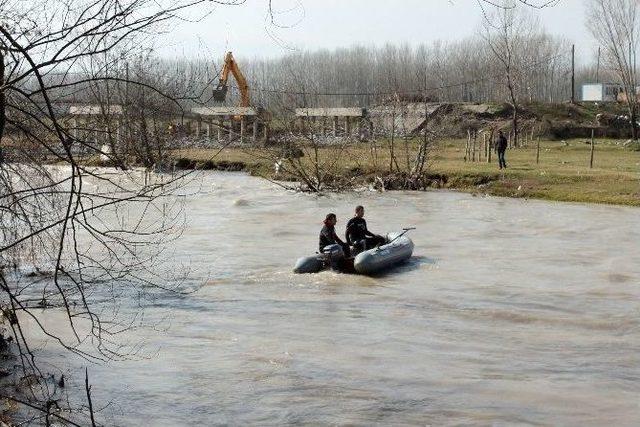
(592, 149)
(473, 155)
(484, 145)
(467, 146)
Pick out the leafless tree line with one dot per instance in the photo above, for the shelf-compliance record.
(460, 71)
(465, 71)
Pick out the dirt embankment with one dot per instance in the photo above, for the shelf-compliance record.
(549, 121)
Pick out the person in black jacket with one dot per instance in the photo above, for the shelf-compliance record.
(329, 237)
(501, 148)
(358, 235)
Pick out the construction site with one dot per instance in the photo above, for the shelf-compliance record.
(237, 110)
(394, 141)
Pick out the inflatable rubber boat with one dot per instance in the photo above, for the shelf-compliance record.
(398, 249)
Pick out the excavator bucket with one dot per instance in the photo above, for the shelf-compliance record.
(220, 93)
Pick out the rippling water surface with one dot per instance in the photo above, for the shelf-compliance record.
(511, 312)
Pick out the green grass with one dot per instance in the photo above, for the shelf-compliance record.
(562, 174)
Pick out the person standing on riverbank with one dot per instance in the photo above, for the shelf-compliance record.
(501, 148)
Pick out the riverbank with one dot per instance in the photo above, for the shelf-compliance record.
(559, 172)
(8, 369)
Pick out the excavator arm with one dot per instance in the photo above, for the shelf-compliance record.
(231, 67)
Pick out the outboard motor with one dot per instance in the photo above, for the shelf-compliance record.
(334, 255)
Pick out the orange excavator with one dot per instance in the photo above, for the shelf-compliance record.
(231, 66)
(259, 121)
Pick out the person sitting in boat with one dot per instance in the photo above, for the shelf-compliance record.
(328, 236)
(358, 235)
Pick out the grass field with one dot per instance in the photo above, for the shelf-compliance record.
(562, 173)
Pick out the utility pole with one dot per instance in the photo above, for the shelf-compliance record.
(592, 148)
(573, 74)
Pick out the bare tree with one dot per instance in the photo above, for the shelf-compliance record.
(615, 25)
(504, 32)
(304, 149)
(456, 71)
(72, 227)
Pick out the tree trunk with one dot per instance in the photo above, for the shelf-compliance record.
(3, 106)
(515, 125)
(514, 105)
(2, 101)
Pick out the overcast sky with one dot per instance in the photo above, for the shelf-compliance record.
(315, 24)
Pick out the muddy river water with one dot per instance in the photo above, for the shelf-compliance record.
(512, 312)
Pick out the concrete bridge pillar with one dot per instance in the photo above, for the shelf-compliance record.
(74, 128)
(118, 131)
(220, 129)
(255, 129)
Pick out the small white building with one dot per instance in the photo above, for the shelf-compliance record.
(601, 92)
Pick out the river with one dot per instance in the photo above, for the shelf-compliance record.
(511, 312)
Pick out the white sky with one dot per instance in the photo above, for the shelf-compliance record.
(315, 24)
